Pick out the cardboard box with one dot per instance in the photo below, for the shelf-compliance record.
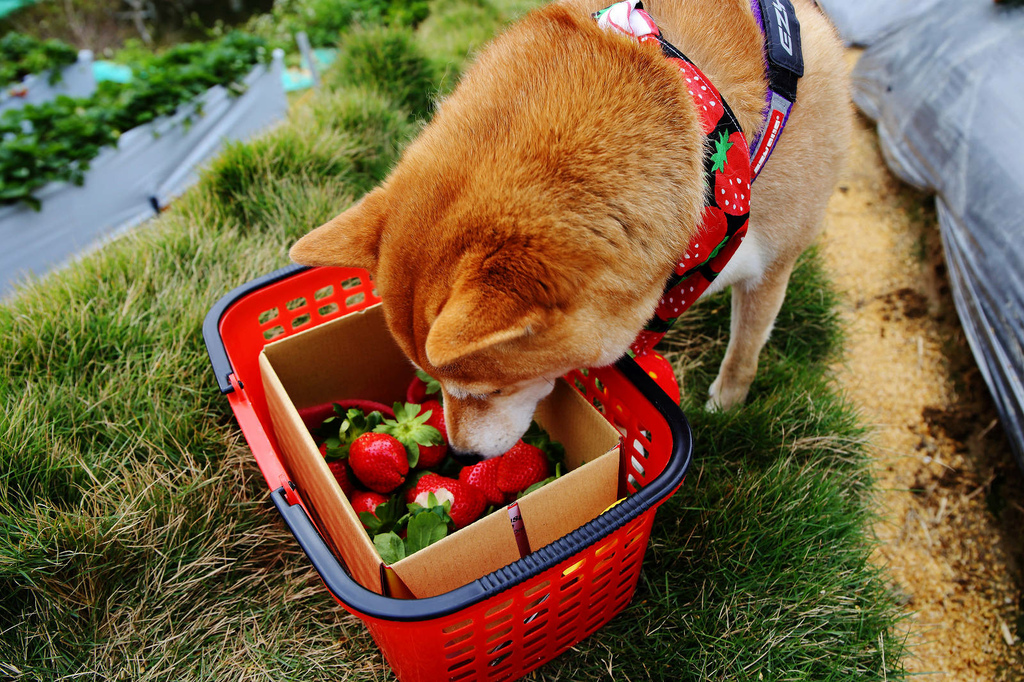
(355, 357)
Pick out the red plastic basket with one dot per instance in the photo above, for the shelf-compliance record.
(511, 621)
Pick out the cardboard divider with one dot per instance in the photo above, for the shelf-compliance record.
(355, 357)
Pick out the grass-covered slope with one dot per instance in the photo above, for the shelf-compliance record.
(136, 538)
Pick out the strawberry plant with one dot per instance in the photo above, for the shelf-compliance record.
(55, 141)
(22, 55)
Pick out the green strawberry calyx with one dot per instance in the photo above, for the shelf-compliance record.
(432, 386)
(411, 430)
(719, 158)
(344, 427)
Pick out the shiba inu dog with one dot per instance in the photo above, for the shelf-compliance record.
(531, 227)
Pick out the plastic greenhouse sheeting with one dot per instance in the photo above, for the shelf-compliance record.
(947, 91)
(125, 185)
(862, 22)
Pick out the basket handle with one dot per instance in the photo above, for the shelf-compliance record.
(215, 348)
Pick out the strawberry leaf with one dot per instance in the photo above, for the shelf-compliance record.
(539, 438)
(432, 385)
(390, 547)
(423, 531)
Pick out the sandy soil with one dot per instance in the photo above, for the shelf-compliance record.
(951, 500)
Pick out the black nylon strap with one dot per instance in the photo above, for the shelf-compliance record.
(782, 45)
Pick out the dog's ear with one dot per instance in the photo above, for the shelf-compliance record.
(471, 322)
(501, 297)
(352, 239)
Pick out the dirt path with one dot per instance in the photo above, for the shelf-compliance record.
(951, 498)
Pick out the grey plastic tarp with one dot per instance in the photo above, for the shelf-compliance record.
(125, 185)
(862, 22)
(947, 91)
(76, 80)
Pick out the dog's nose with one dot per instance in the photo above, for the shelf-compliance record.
(464, 458)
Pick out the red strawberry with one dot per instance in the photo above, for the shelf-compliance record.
(521, 467)
(421, 387)
(412, 428)
(731, 163)
(719, 262)
(367, 502)
(710, 234)
(484, 477)
(340, 471)
(659, 369)
(379, 461)
(431, 455)
(705, 95)
(467, 504)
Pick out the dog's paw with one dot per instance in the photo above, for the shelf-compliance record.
(721, 399)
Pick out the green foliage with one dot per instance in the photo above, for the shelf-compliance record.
(21, 55)
(56, 140)
(327, 21)
(453, 31)
(52, 141)
(390, 60)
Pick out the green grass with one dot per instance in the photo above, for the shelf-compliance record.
(136, 538)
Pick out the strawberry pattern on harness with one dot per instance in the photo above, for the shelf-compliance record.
(727, 175)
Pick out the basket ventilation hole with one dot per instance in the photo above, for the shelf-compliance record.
(569, 596)
(295, 303)
(606, 547)
(301, 320)
(458, 652)
(268, 315)
(535, 602)
(600, 406)
(464, 675)
(355, 299)
(321, 294)
(538, 626)
(632, 482)
(328, 309)
(501, 674)
(458, 626)
(498, 635)
(351, 283)
(455, 640)
(501, 620)
(637, 466)
(575, 567)
(498, 608)
(599, 385)
(536, 588)
(273, 332)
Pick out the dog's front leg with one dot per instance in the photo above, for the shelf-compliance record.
(755, 304)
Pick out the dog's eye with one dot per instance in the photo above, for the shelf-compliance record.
(496, 391)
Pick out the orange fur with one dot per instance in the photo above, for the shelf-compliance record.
(532, 225)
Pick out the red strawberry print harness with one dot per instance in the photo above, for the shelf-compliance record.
(727, 170)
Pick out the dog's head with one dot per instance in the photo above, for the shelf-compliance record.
(494, 317)
(530, 228)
